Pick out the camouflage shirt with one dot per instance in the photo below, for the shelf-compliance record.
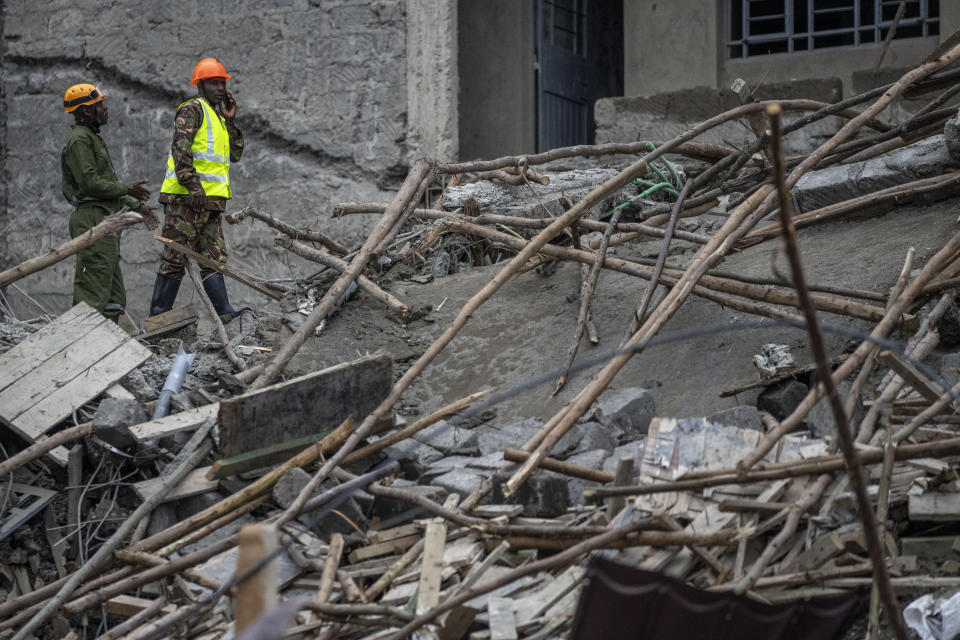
(185, 125)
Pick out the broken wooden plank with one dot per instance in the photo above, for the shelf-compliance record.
(176, 423)
(398, 545)
(194, 484)
(216, 265)
(503, 622)
(428, 592)
(128, 606)
(934, 507)
(822, 549)
(118, 392)
(260, 458)
(276, 413)
(66, 364)
(168, 321)
(50, 339)
(911, 375)
(412, 529)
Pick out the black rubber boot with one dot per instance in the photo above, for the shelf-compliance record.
(216, 290)
(164, 294)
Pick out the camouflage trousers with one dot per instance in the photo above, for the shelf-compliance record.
(198, 229)
(97, 279)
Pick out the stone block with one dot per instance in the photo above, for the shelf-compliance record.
(924, 159)
(591, 460)
(782, 398)
(820, 420)
(447, 437)
(543, 495)
(743, 416)
(951, 133)
(112, 419)
(491, 440)
(460, 481)
(586, 437)
(634, 449)
(414, 457)
(627, 411)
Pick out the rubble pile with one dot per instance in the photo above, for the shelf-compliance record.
(231, 501)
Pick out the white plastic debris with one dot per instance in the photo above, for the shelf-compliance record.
(774, 358)
(934, 617)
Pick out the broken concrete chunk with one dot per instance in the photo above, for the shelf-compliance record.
(782, 398)
(951, 134)
(587, 436)
(820, 420)
(925, 159)
(113, 418)
(627, 411)
(543, 495)
(459, 481)
(414, 457)
(491, 440)
(447, 437)
(743, 416)
(634, 449)
(590, 460)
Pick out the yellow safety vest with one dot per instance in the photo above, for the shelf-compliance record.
(211, 156)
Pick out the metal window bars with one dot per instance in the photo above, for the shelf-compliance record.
(758, 27)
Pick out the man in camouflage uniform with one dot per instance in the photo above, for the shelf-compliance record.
(196, 189)
(90, 184)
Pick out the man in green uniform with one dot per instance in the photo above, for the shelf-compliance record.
(90, 184)
(196, 186)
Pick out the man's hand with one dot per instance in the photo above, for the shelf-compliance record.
(139, 191)
(198, 201)
(229, 106)
(149, 216)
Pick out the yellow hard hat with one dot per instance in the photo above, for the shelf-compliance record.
(80, 94)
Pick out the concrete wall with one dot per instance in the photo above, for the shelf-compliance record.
(497, 82)
(670, 45)
(432, 79)
(679, 44)
(321, 87)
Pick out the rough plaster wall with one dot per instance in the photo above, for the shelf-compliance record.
(432, 79)
(321, 92)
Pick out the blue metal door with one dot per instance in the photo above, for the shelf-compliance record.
(562, 88)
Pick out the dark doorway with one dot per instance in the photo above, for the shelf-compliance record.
(579, 48)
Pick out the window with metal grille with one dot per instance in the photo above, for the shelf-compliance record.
(760, 27)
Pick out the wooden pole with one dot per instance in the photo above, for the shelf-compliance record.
(851, 457)
(44, 445)
(114, 223)
(256, 594)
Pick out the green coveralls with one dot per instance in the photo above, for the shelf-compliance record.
(90, 183)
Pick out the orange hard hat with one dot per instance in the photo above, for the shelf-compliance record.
(80, 94)
(208, 68)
